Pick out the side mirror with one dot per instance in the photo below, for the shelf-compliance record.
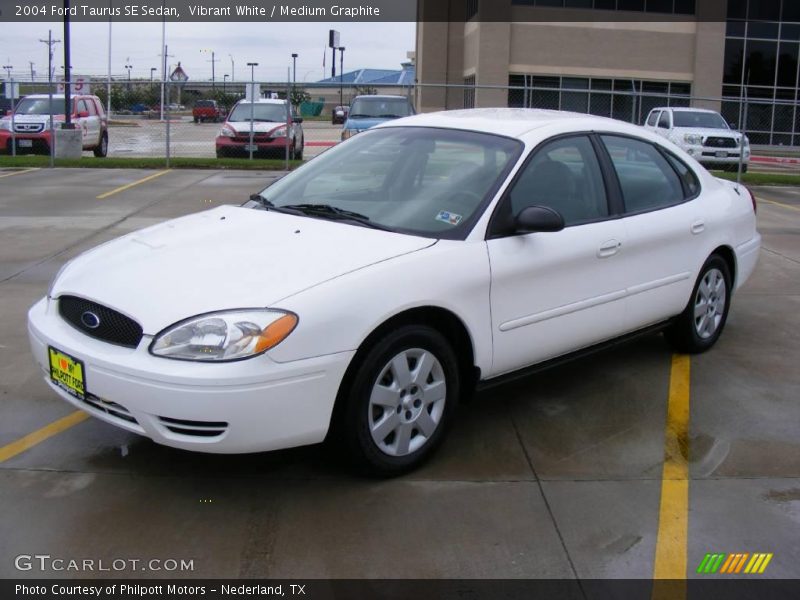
(538, 218)
(83, 114)
(733, 125)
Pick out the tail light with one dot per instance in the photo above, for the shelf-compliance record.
(752, 199)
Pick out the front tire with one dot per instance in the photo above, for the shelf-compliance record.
(401, 401)
(101, 150)
(699, 326)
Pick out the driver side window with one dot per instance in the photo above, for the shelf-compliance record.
(565, 176)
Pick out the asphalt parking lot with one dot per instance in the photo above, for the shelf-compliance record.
(555, 476)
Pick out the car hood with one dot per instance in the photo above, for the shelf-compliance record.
(365, 123)
(18, 119)
(228, 257)
(706, 132)
(258, 126)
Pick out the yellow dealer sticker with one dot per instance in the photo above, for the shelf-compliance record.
(67, 373)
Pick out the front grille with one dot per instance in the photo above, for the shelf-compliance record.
(110, 408)
(257, 137)
(28, 127)
(720, 142)
(112, 327)
(194, 428)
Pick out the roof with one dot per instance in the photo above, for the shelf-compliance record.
(405, 76)
(513, 122)
(263, 101)
(382, 97)
(54, 96)
(685, 109)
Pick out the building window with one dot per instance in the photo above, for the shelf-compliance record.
(469, 91)
(625, 99)
(471, 9)
(760, 76)
(679, 7)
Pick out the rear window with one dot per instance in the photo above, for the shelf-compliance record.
(204, 104)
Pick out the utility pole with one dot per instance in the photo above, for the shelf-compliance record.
(68, 124)
(33, 73)
(233, 72)
(213, 62)
(50, 43)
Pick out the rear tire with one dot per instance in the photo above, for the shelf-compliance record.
(400, 402)
(701, 323)
(101, 150)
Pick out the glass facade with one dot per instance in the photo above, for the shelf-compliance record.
(762, 54)
(680, 7)
(626, 99)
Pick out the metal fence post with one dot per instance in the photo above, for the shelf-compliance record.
(51, 125)
(166, 114)
(288, 115)
(252, 115)
(13, 127)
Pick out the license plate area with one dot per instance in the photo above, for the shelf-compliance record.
(253, 147)
(722, 154)
(67, 372)
(25, 143)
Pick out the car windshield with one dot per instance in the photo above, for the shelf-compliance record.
(417, 180)
(260, 112)
(380, 107)
(40, 106)
(687, 118)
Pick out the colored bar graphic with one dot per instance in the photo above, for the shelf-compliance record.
(733, 564)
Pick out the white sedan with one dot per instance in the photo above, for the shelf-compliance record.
(364, 293)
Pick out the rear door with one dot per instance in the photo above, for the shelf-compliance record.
(664, 228)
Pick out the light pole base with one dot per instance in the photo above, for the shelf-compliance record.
(69, 143)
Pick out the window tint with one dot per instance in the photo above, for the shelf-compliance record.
(664, 120)
(647, 180)
(81, 107)
(565, 176)
(690, 182)
(653, 118)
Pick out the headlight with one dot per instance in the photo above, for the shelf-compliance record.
(224, 336)
(227, 132)
(279, 132)
(693, 139)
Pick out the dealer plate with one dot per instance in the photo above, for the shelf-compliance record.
(25, 143)
(67, 372)
(254, 147)
(722, 154)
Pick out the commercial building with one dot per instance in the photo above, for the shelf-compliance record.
(617, 58)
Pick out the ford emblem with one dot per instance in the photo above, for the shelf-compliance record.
(90, 320)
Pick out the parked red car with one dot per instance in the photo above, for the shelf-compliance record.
(207, 110)
(32, 123)
(268, 120)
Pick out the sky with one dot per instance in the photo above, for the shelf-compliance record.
(368, 45)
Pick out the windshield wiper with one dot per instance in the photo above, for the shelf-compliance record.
(358, 116)
(334, 212)
(390, 116)
(267, 205)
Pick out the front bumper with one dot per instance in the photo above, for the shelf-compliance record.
(250, 405)
(717, 156)
(27, 143)
(237, 145)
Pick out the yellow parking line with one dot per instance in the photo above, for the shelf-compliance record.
(122, 188)
(19, 172)
(778, 203)
(669, 569)
(40, 435)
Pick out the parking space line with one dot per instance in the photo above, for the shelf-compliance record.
(122, 188)
(32, 439)
(778, 203)
(19, 172)
(669, 568)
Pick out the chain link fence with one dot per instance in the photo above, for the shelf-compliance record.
(190, 119)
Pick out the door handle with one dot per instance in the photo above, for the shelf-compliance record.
(609, 248)
(698, 227)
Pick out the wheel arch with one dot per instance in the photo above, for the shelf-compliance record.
(446, 322)
(729, 256)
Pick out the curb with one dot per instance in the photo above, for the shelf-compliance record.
(782, 160)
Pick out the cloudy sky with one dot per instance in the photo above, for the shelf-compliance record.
(376, 45)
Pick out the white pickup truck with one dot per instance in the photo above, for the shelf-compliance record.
(702, 133)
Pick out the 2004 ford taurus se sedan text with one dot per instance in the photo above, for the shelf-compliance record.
(370, 289)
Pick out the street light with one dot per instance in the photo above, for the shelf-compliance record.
(233, 72)
(294, 68)
(8, 69)
(224, 79)
(152, 70)
(341, 73)
(252, 66)
(129, 67)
